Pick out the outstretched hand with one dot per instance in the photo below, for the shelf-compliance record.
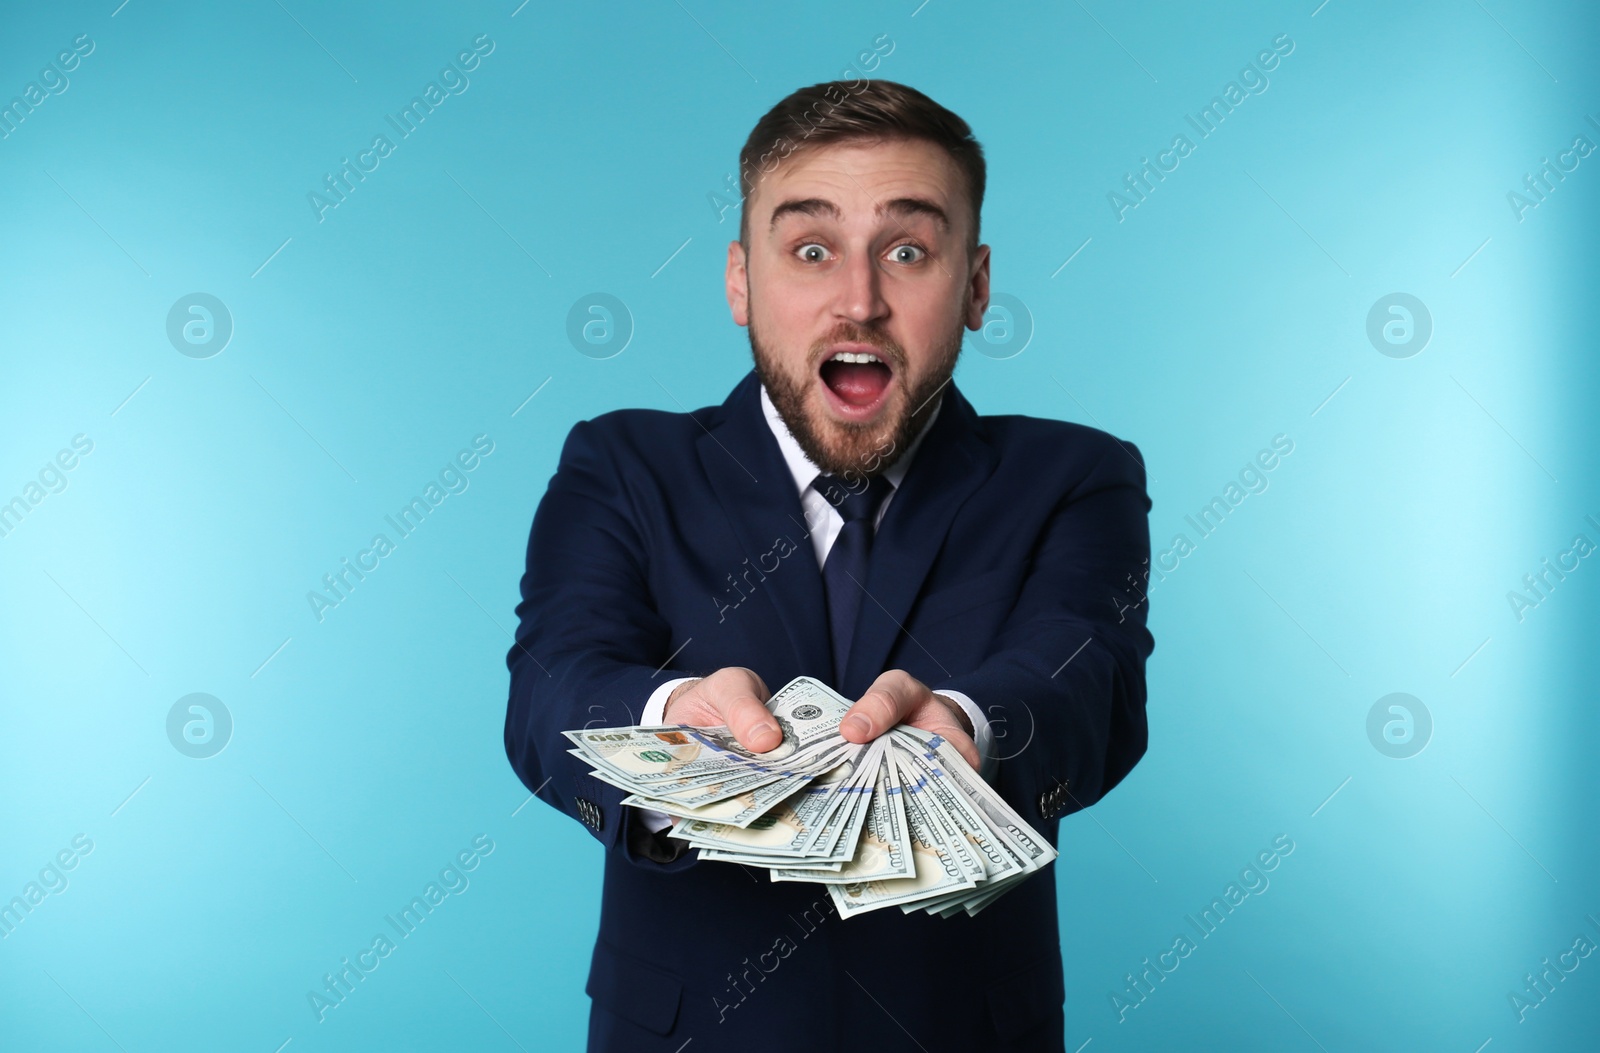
(734, 697)
(897, 697)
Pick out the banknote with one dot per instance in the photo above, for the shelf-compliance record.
(883, 850)
(784, 831)
(903, 821)
(936, 871)
(813, 824)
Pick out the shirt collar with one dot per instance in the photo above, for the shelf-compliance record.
(805, 472)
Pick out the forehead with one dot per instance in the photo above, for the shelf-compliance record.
(856, 176)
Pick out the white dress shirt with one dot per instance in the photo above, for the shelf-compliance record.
(825, 522)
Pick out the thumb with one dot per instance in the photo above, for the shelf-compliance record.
(751, 722)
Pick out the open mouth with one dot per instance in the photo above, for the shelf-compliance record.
(857, 378)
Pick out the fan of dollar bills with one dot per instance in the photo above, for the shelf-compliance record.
(901, 821)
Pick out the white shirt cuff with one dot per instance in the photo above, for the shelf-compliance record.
(655, 713)
(982, 733)
(655, 709)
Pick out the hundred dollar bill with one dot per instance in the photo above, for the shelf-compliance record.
(783, 831)
(762, 792)
(667, 754)
(738, 801)
(988, 848)
(923, 795)
(807, 712)
(936, 871)
(729, 856)
(902, 821)
(682, 757)
(996, 812)
(689, 792)
(1030, 848)
(790, 831)
(721, 811)
(841, 827)
(883, 850)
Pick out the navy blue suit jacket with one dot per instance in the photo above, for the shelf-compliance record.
(1010, 566)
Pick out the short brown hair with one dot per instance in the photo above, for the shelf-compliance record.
(861, 110)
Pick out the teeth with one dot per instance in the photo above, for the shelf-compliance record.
(860, 357)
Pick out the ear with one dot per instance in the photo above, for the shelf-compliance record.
(978, 290)
(737, 281)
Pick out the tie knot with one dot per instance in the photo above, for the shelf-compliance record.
(856, 499)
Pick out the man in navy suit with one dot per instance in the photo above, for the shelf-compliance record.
(845, 514)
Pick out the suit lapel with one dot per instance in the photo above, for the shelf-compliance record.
(746, 470)
(753, 485)
(952, 462)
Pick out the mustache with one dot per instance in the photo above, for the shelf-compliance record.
(849, 332)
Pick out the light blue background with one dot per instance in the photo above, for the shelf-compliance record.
(424, 310)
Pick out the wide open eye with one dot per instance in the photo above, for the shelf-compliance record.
(812, 252)
(900, 253)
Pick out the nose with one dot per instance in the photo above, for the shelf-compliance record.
(860, 293)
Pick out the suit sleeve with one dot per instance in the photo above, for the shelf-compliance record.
(1064, 681)
(589, 645)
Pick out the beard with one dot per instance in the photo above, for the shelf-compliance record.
(849, 448)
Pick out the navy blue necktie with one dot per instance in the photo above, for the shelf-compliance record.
(847, 559)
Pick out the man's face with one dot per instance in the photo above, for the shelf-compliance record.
(855, 287)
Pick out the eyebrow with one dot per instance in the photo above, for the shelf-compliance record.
(900, 206)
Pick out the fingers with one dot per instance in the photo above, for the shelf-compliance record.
(943, 716)
(887, 702)
(751, 723)
(953, 734)
(739, 698)
(686, 688)
(897, 697)
(686, 705)
(968, 750)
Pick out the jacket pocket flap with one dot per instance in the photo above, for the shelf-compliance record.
(1021, 1000)
(634, 990)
